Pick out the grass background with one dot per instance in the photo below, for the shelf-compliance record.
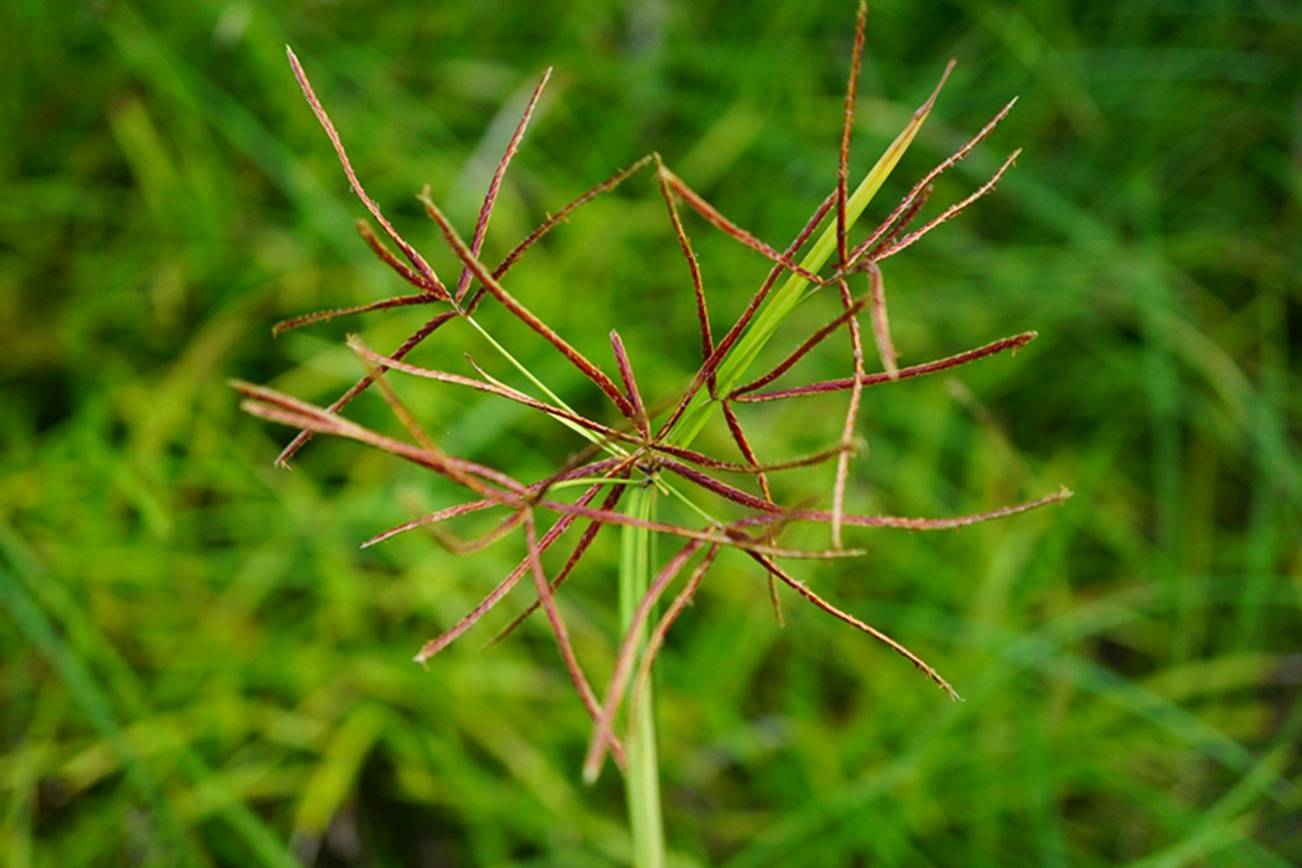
(198, 664)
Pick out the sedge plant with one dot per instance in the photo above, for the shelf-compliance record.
(624, 469)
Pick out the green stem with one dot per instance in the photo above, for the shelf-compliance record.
(642, 781)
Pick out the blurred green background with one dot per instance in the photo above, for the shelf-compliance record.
(200, 666)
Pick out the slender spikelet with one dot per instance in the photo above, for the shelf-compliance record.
(698, 204)
(630, 384)
(911, 523)
(1013, 343)
(565, 211)
(913, 201)
(400, 268)
(951, 212)
(851, 416)
(495, 185)
(432, 518)
(847, 132)
(693, 267)
(847, 300)
(602, 734)
(408, 251)
(680, 602)
(901, 223)
(801, 351)
(743, 445)
(803, 590)
(881, 322)
(723, 489)
(321, 316)
(561, 632)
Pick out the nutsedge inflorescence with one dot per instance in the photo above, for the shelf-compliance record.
(645, 449)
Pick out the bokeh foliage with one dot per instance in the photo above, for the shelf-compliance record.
(199, 665)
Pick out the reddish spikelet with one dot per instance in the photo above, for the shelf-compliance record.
(911, 523)
(278, 407)
(320, 316)
(495, 185)
(904, 212)
(398, 267)
(803, 590)
(847, 300)
(630, 384)
(743, 444)
(560, 631)
(693, 267)
(723, 489)
(657, 638)
(569, 208)
(324, 119)
(851, 415)
(951, 212)
(905, 219)
(431, 518)
(881, 322)
(1014, 343)
(847, 131)
(698, 204)
(801, 351)
(602, 734)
